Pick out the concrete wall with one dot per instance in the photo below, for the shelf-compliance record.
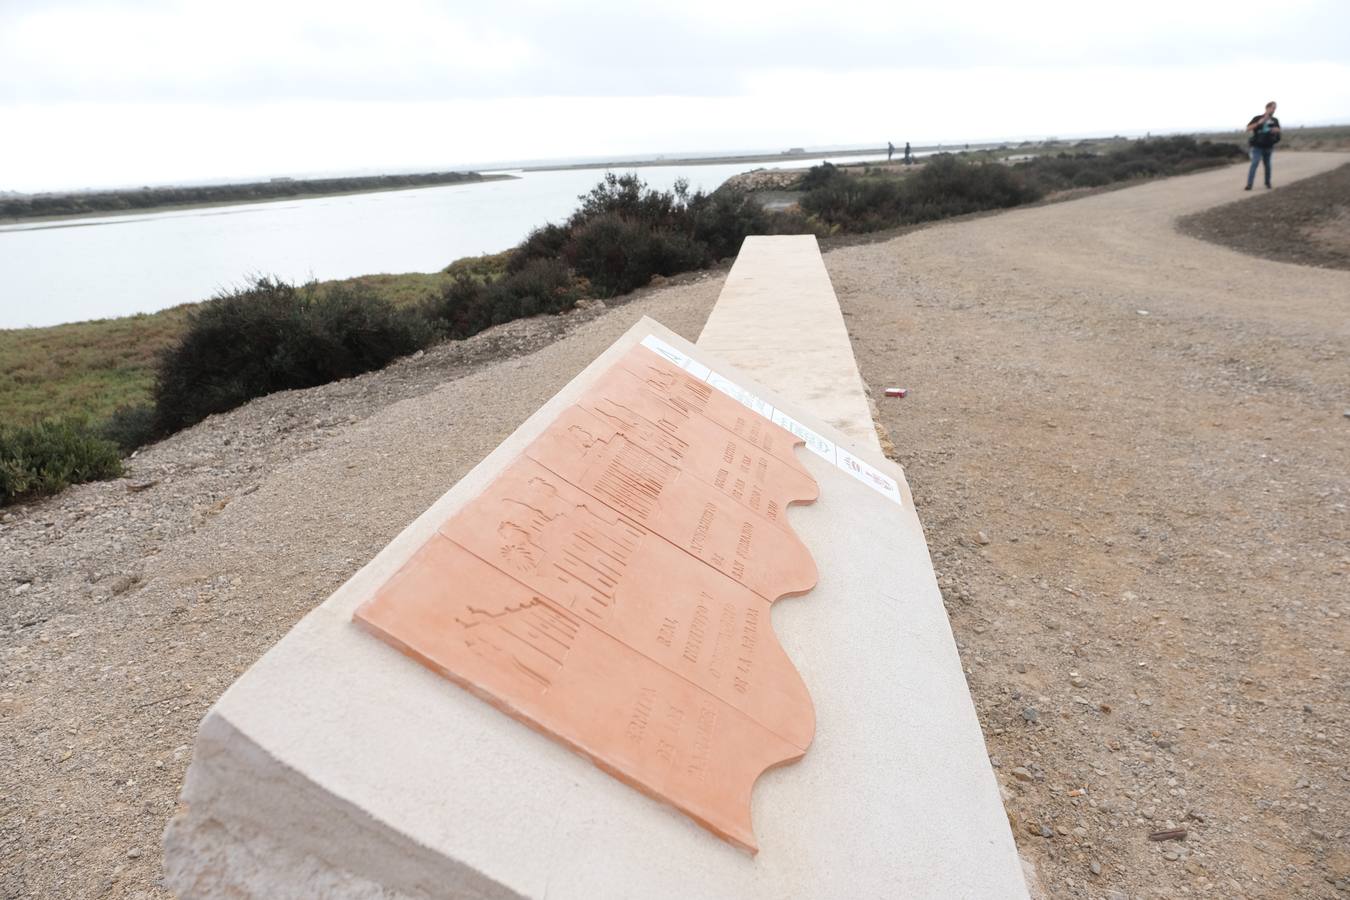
(336, 766)
(778, 321)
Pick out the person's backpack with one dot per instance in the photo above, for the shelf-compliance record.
(1265, 138)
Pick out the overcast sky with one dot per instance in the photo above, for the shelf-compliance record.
(96, 93)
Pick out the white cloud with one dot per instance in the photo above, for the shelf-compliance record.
(246, 49)
(100, 92)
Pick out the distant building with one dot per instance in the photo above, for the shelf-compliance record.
(282, 179)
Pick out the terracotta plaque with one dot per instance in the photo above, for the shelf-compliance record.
(611, 588)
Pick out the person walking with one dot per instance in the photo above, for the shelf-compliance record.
(1263, 133)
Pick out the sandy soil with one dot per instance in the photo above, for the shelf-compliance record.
(1132, 469)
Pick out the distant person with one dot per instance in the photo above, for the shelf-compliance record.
(890, 151)
(909, 160)
(1263, 133)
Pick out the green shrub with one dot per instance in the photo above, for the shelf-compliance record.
(721, 220)
(855, 204)
(131, 427)
(347, 331)
(819, 176)
(541, 286)
(624, 233)
(1145, 158)
(274, 336)
(484, 268)
(629, 198)
(546, 242)
(458, 311)
(466, 306)
(948, 186)
(944, 186)
(41, 459)
(618, 255)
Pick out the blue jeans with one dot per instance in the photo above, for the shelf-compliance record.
(1259, 155)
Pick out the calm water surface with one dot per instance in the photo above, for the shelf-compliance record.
(99, 267)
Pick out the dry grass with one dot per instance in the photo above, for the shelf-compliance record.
(82, 369)
(1293, 137)
(89, 369)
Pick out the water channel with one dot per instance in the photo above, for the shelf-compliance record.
(103, 266)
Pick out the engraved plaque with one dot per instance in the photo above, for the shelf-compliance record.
(611, 589)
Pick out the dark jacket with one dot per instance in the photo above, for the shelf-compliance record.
(1264, 135)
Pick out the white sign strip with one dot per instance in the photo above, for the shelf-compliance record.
(868, 474)
(660, 347)
(859, 469)
(814, 442)
(697, 369)
(739, 394)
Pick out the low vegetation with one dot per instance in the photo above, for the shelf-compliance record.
(87, 369)
(949, 185)
(143, 377)
(943, 187)
(26, 206)
(1297, 137)
(1136, 159)
(91, 369)
(274, 336)
(48, 456)
(622, 235)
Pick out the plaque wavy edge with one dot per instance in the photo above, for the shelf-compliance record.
(746, 841)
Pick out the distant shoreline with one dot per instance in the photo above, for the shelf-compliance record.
(466, 178)
(76, 218)
(733, 160)
(38, 219)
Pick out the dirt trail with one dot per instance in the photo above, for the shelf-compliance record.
(1131, 453)
(1163, 499)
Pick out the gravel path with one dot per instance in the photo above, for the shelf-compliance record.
(1139, 523)
(1131, 453)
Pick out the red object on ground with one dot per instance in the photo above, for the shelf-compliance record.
(896, 392)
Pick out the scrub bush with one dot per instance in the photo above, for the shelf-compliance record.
(537, 286)
(944, 186)
(854, 204)
(948, 185)
(819, 176)
(618, 255)
(274, 336)
(722, 220)
(546, 242)
(629, 198)
(1146, 158)
(952, 185)
(131, 427)
(41, 459)
(541, 286)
